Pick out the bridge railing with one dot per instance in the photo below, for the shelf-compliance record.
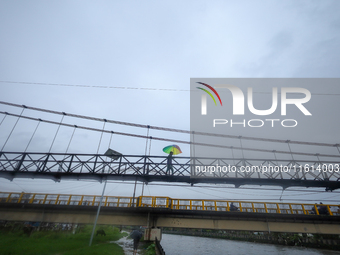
(256, 207)
(49, 163)
(156, 202)
(25, 163)
(62, 199)
(236, 171)
(172, 203)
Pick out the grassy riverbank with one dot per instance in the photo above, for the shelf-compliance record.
(61, 243)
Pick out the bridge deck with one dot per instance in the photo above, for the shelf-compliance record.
(205, 205)
(166, 217)
(58, 166)
(170, 212)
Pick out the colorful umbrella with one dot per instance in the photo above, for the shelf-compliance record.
(174, 148)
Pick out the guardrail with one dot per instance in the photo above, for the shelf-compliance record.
(172, 203)
(62, 199)
(158, 247)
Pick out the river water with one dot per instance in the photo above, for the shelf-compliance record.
(180, 245)
(127, 244)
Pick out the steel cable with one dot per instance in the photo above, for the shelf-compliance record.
(172, 129)
(173, 140)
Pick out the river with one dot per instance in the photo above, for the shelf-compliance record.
(180, 245)
(127, 244)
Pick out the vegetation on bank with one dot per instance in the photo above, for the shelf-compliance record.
(49, 242)
(149, 248)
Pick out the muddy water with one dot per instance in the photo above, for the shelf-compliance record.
(127, 244)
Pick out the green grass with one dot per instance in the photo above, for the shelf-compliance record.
(61, 243)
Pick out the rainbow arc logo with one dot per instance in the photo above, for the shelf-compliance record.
(212, 89)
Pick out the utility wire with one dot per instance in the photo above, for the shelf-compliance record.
(89, 86)
(135, 88)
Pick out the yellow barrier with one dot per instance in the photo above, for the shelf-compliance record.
(171, 203)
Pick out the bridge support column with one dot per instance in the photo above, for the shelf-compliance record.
(152, 232)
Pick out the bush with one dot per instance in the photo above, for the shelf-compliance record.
(151, 250)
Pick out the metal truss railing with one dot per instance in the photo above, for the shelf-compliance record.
(90, 164)
(171, 203)
(185, 169)
(266, 168)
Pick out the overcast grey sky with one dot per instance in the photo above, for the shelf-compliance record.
(117, 49)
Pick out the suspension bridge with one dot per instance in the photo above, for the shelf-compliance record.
(304, 169)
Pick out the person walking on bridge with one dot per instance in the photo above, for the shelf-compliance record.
(171, 150)
(169, 164)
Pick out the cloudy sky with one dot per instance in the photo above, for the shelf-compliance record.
(132, 61)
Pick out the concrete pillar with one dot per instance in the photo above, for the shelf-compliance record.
(151, 234)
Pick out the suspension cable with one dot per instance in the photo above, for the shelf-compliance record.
(60, 123)
(171, 129)
(240, 137)
(290, 150)
(33, 135)
(150, 145)
(147, 139)
(323, 173)
(19, 116)
(277, 163)
(3, 119)
(232, 154)
(68, 146)
(174, 140)
(110, 139)
(101, 136)
(146, 150)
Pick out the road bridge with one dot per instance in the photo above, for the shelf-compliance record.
(170, 212)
